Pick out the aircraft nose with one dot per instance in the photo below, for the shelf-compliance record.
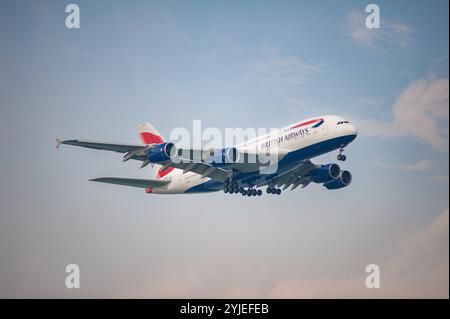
(353, 130)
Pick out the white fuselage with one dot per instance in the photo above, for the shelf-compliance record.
(294, 143)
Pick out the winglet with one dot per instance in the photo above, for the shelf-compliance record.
(58, 142)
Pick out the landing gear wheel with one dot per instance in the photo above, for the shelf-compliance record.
(341, 157)
(225, 189)
(244, 192)
(273, 191)
(269, 190)
(254, 192)
(278, 191)
(259, 193)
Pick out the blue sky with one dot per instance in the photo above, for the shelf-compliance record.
(231, 64)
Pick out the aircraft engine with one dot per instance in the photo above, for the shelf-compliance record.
(325, 173)
(342, 181)
(161, 153)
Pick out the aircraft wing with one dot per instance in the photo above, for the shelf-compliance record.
(134, 182)
(295, 177)
(199, 161)
(201, 168)
(191, 160)
(139, 152)
(134, 151)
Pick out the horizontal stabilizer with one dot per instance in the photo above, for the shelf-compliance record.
(134, 182)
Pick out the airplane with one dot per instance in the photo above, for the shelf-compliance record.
(238, 169)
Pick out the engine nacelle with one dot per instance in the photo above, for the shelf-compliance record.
(325, 173)
(161, 153)
(342, 181)
(224, 156)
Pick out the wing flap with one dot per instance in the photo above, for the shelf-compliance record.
(204, 169)
(294, 177)
(134, 182)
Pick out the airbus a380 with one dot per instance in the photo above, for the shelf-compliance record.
(239, 169)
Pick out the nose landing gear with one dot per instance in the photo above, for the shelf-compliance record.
(340, 156)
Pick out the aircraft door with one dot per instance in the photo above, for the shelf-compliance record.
(324, 129)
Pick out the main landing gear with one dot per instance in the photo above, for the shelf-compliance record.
(273, 190)
(233, 188)
(251, 192)
(341, 157)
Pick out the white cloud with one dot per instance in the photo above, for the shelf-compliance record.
(282, 71)
(381, 162)
(418, 269)
(420, 166)
(420, 111)
(392, 33)
(374, 127)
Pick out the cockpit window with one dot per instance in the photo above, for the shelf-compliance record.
(342, 122)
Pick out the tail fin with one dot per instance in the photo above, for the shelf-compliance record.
(149, 135)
